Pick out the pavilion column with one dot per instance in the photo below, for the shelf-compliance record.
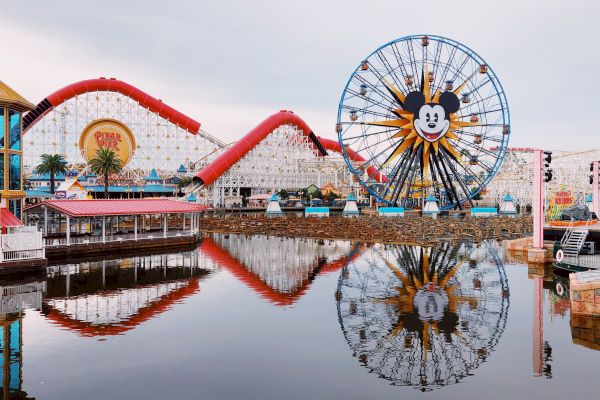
(68, 230)
(117, 230)
(191, 224)
(165, 226)
(183, 228)
(103, 229)
(45, 220)
(135, 229)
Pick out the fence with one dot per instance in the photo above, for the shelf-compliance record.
(23, 245)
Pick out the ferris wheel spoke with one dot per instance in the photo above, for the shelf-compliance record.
(389, 68)
(446, 156)
(384, 95)
(402, 67)
(446, 181)
(370, 146)
(366, 135)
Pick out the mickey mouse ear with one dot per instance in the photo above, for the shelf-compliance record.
(414, 101)
(450, 102)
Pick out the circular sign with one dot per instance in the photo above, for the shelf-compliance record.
(107, 133)
(560, 255)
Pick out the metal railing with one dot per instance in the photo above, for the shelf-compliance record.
(62, 241)
(24, 245)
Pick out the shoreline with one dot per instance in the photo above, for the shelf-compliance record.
(416, 230)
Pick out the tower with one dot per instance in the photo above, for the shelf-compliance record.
(12, 106)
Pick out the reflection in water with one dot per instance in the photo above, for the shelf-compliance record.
(111, 297)
(420, 316)
(15, 297)
(280, 270)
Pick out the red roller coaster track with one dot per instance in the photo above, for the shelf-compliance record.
(111, 85)
(222, 163)
(240, 148)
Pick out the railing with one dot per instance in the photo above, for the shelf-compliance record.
(567, 233)
(584, 261)
(24, 245)
(62, 241)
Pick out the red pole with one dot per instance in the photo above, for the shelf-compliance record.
(538, 324)
(595, 188)
(538, 201)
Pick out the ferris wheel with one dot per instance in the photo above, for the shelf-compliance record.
(423, 317)
(424, 112)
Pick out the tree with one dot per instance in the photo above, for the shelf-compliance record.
(105, 163)
(283, 194)
(332, 196)
(185, 182)
(52, 164)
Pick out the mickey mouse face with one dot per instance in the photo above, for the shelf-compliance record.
(431, 121)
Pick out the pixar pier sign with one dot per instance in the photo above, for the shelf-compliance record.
(107, 133)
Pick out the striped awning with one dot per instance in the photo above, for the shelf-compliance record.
(93, 208)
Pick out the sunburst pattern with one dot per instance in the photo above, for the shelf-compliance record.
(407, 135)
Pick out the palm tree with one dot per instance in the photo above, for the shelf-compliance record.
(105, 163)
(52, 164)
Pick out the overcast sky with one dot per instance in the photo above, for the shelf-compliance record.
(230, 64)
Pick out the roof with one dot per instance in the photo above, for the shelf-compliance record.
(46, 177)
(71, 184)
(192, 198)
(131, 189)
(589, 198)
(12, 99)
(8, 219)
(181, 169)
(507, 197)
(110, 85)
(350, 197)
(262, 196)
(431, 198)
(94, 208)
(38, 193)
(274, 197)
(153, 176)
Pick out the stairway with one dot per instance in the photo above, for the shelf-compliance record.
(573, 240)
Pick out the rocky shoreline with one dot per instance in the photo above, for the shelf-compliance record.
(374, 229)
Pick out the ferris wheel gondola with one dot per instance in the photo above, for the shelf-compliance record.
(424, 112)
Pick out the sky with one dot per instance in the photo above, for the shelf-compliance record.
(230, 64)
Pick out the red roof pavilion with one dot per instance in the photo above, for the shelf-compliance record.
(99, 208)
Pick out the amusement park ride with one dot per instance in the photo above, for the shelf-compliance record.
(423, 110)
(417, 118)
(421, 116)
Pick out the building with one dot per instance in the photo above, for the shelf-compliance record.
(12, 106)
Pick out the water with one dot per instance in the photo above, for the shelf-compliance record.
(271, 318)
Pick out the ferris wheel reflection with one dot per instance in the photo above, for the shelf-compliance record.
(425, 317)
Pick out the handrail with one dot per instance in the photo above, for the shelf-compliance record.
(567, 233)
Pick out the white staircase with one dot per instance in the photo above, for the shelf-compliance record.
(573, 241)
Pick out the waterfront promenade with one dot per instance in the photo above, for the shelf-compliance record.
(373, 229)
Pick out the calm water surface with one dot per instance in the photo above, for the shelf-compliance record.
(254, 317)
